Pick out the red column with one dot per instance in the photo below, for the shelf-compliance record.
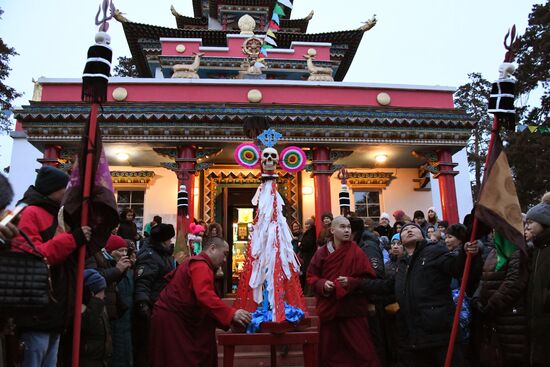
(447, 189)
(186, 168)
(52, 153)
(321, 179)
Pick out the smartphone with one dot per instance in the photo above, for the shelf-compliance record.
(12, 215)
(130, 251)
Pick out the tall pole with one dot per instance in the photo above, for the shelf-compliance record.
(468, 264)
(86, 189)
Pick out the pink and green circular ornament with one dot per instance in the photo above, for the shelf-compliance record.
(247, 155)
(293, 159)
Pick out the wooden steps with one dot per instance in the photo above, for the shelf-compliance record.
(260, 356)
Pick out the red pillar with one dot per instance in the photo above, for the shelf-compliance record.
(186, 168)
(447, 189)
(52, 153)
(321, 179)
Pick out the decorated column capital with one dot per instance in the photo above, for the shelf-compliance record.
(52, 156)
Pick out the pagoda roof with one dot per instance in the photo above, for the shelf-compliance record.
(184, 22)
(144, 43)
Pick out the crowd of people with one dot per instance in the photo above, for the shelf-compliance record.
(386, 290)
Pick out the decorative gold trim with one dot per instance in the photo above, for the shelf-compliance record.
(377, 180)
(134, 178)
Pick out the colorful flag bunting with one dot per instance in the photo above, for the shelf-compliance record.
(274, 26)
(543, 129)
(286, 3)
(271, 34)
(521, 128)
(267, 46)
(532, 128)
(275, 18)
(270, 41)
(278, 10)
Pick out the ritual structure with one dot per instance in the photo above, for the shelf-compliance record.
(179, 122)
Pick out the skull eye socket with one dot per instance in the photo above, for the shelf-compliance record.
(266, 155)
(273, 155)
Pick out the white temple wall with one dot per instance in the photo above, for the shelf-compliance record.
(23, 165)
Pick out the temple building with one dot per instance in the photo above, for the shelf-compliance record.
(179, 122)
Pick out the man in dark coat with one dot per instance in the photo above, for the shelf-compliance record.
(423, 292)
(41, 333)
(187, 312)
(153, 263)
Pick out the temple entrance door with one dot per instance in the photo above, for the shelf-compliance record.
(235, 212)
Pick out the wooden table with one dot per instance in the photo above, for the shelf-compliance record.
(272, 334)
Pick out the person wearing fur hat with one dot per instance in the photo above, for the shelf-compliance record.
(95, 343)
(152, 265)
(420, 220)
(196, 233)
(538, 297)
(39, 221)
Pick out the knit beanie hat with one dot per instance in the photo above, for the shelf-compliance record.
(114, 243)
(162, 232)
(196, 228)
(396, 237)
(50, 179)
(411, 224)
(418, 214)
(327, 215)
(540, 213)
(93, 281)
(459, 231)
(398, 214)
(385, 216)
(6, 192)
(431, 209)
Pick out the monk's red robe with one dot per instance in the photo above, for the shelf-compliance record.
(344, 331)
(186, 315)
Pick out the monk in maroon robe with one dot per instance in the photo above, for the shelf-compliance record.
(188, 310)
(334, 274)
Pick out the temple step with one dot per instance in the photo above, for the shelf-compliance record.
(259, 355)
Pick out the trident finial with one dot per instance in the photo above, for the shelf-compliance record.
(103, 23)
(343, 175)
(511, 47)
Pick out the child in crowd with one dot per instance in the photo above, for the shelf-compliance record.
(195, 238)
(96, 344)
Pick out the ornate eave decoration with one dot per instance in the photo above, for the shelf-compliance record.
(371, 179)
(142, 178)
(215, 181)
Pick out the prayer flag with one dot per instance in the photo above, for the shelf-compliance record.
(271, 34)
(275, 18)
(274, 26)
(521, 128)
(286, 3)
(278, 10)
(533, 128)
(270, 41)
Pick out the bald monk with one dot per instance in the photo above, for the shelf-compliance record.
(188, 311)
(334, 274)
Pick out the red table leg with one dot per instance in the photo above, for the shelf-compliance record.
(228, 354)
(310, 359)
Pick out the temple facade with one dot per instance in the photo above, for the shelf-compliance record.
(403, 146)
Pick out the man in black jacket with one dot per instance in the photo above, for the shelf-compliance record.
(422, 289)
(153, 263)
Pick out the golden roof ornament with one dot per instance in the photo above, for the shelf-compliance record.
(247, 24)
(174, 11)
(119, 17)
(368, 24)
(310, 15)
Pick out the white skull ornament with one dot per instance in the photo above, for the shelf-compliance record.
(270, 159)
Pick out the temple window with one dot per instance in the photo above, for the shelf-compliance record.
(132, 199)
(367, 203)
